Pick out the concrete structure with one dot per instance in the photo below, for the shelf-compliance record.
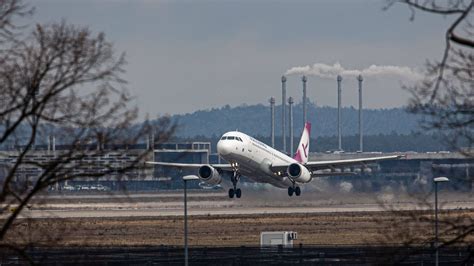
(283, 111)
(290, 125)
(104, 161)
(361, 147)
(305, 118)
(118, 156)
(272, 121)
(412, 173)
(185, 180)
(437, 180)
(339, 133)
(150, 142)
(193, 152)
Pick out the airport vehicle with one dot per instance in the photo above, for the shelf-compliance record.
(69, 188)
(100, 187)
(251, 158)
(278, 238)
(85, 187)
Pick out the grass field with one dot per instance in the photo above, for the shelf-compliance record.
(346, 228)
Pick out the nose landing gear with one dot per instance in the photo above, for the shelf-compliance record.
(235, 191)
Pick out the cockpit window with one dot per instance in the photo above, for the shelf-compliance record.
(232, 138)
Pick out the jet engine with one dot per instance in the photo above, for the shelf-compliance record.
(299, 173)
(210, 175)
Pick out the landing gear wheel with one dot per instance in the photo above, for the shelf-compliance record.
(238, 193)
(290, 191)
(297, 191)
(235, 191)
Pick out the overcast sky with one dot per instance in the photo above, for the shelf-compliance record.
(189, 55)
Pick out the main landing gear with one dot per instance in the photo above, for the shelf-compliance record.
(235, 191)
(294, 189)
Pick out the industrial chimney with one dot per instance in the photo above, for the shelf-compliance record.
(283, 110)
(304, 100)
(290, 125)
(148, 142)
(272, 122)
(359, 78)
(152, 140)
(339, 80)
(54, 146)
(49, 143)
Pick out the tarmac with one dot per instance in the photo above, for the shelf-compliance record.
(215, 203)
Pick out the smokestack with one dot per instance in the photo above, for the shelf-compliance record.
(304, 100)
(148, 147)
(152, 140)
(359, 78)
(272, 122)
(290, 125)
(339, 80)
(49, 143)
(99, 140)
(283, 111)
(54, 146)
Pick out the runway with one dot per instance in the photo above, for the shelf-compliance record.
(216, 220)
(171, 204)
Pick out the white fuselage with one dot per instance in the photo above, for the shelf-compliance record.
(253, 158)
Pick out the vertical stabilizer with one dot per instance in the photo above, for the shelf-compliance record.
(302, 152)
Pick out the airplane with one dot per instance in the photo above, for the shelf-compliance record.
(261, 163)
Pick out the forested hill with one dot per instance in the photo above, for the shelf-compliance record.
(255, 120)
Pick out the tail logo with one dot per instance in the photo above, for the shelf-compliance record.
(305, 149)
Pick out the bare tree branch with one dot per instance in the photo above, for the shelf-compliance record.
(446, 96)
(64, 79)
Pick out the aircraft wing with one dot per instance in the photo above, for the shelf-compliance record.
(321, 165)
(224, 167)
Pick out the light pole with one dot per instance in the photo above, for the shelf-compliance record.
(186, 179)
(436, 181)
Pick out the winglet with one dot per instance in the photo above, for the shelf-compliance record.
(302, 152)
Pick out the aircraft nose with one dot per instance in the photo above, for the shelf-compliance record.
(223, 147)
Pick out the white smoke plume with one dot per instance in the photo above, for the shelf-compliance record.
(330, 72)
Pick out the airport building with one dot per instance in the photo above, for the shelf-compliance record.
(411, 174)
(193, 152)
(97, 162)
(142, 178)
